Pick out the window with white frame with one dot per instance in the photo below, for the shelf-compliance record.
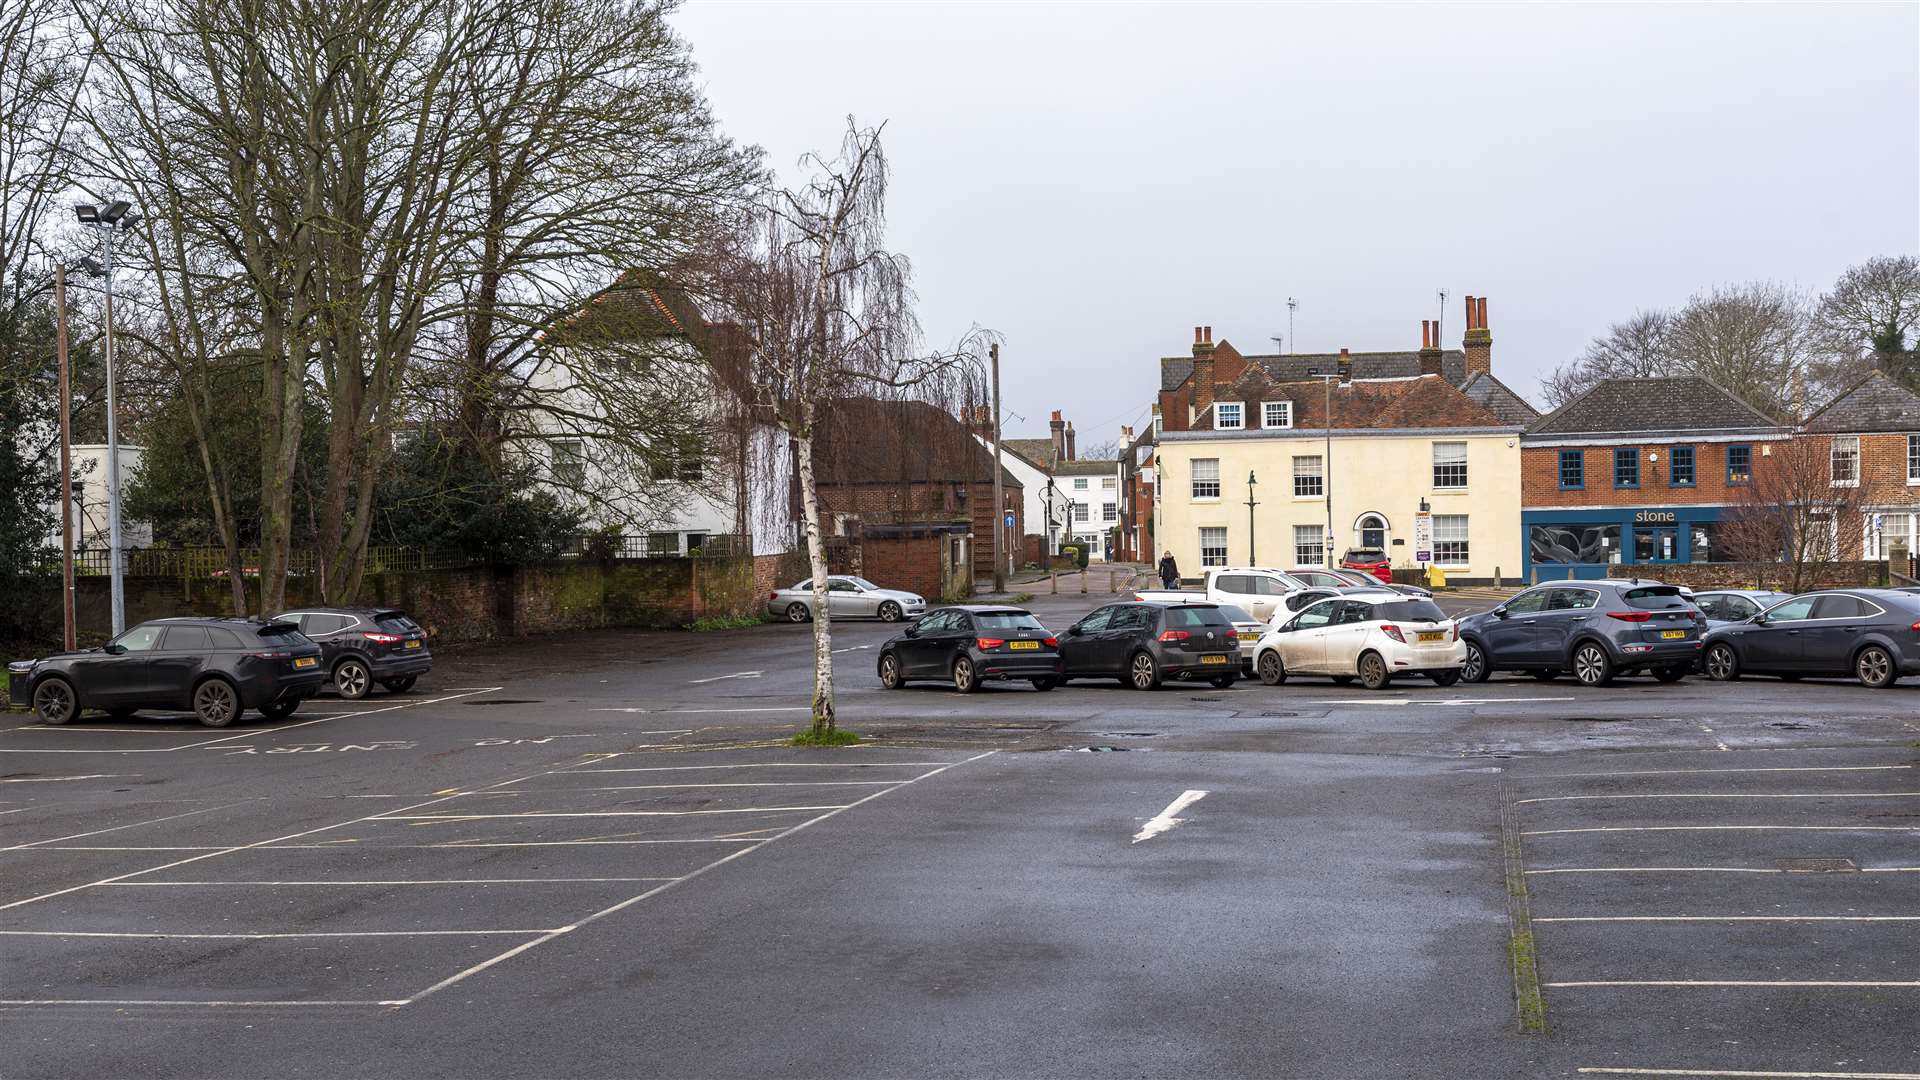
(1107, 482)
(1213, 547)
(1206, 478)
(1082, 512)
(1309, 477)
(1079, 483)
(1229, 416)
(569, 461)
(1110, 512)
(1449, 465)
(1846, 460)
(1309, 545)
(1450, 539)
(1913, 459)
(1276, 414)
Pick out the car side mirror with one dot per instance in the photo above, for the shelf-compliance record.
(114, 649)
(1074, 630)
(912, 630)
(1499, 613)
(1758, 620)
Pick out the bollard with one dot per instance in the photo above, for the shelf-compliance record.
(1083, 579)
(1113, 582)
(1053, 581)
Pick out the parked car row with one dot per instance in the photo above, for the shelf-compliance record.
(218, 669)
(1593, 630)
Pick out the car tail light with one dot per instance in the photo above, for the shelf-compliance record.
(385, 639)
(1453, 632)
(1393, 632)
(1054, 642)
(1915, 627)
(1174, 635)
(773, 596)
(990, 642)
(1630, 616)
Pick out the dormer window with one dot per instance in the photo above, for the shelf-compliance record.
(1276, 414)
(1229, 416)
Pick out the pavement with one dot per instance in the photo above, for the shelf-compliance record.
(593, 857)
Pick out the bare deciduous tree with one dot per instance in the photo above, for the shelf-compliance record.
(1793, 514)
(824, 312)
(1635, 348)
(1869, 318)
(1752, 339)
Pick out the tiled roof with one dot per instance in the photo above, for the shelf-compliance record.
(868, 441)
(1037, 452)
(1087, 467)
(1875, 403)
(638, 305)
(1675, 403)
(1499, 399)
(1290, 367)
(1418, 403)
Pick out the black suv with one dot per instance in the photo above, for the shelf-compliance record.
(970, 645)
(1596, 629)
(1143, 642)
(364, 646)
(218, 668)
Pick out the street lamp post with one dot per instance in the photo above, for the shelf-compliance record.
(108, 218)
(1251, 561)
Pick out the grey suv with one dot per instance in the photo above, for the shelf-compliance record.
(1595, 629)
(1142, 643)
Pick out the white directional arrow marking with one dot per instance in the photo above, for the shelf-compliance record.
(735, 675)
(1165, 820)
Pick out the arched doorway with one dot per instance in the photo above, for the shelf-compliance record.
(1371, 530)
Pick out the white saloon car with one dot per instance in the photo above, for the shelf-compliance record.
(1371, 636)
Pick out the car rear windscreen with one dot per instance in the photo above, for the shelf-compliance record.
(396, 622)
(1006, 620)
(1366, 555)
(1235, 614)
(284, 634)
(1197, 616)
(1410, 611)
(1656, 598)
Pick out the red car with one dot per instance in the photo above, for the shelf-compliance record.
(1368, 561)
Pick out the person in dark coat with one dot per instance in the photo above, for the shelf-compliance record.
(1169, 572)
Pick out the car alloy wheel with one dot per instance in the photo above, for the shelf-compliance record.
(352, 680)
(797, 612)
(1475, 669)
(54, 702)
(1722, 664)
(215, 703)
(889, 612)
(1591, 666)
(1874, 667)
(964, 679)
(1273, 671)
(1373, 672)
(1143, 673)
(890, 672)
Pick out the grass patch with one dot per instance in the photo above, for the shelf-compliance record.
(707, 624)
(1021, 598)
(835, 737)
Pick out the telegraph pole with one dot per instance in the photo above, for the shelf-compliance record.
(66, 453)
(999, 496)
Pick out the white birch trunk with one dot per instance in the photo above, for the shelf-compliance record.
(817, 561)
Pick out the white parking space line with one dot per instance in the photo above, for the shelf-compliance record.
(1734, 795)
(722, 678)
(767, 765)
(163, 1002)
(1752, 769)
(265, 937)
(703, 787)
(349, 881)
(753, 845)
(1439, 701)
(1773, 983)
(59, 779)
(118, 828)
(1752, 1073)
(1728, 918)
(601, 813)
(1165, 819)
(1728, 828)
(1661, 870)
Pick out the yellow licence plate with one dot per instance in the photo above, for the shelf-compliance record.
(1672, 635)
(1249, 635)
(1433, 635)
(1213, 659)
(305, 661)
(1023, 644)
(413, 644)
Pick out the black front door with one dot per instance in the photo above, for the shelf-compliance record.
(128, 679)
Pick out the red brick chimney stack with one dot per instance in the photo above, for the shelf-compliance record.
(1070, 456)
(1430, 347)
(1479, 340)
(1058, 429)
(1346, 367)
(1202, 369)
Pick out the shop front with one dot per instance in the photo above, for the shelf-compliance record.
(1562, 544)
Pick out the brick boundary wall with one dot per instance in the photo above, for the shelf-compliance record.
(1730, 575)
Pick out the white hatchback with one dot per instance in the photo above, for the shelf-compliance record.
(1370, 636)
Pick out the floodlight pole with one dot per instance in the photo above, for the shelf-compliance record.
(999, 496)
(66, 456)
(116, 586)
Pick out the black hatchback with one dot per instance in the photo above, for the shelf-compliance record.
(218, 668)
(364, 646)
(1142, 643)
(970, 645)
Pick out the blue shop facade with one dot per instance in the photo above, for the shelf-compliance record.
(1562, 544)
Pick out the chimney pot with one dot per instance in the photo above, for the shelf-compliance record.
(1209, 335)
(1426, 332)
(1196, 335)
(1481, 316)
(1056, 414)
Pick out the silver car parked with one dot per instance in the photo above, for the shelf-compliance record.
(848, 597)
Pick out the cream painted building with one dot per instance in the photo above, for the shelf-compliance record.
(1399, 450)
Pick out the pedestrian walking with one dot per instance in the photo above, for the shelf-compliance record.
(1169, 572)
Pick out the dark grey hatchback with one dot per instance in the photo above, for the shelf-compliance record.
(363, 646)
(970, 645)
(1596, 629)
(1142, 643)
(1870, 634)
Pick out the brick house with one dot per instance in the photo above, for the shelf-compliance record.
(1136, 496)
(908, 483)
(1871, 436)
(1637, 472)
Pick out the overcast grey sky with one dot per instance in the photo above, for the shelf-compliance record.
(1093, 180)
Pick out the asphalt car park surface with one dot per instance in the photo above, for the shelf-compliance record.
(591, 857)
